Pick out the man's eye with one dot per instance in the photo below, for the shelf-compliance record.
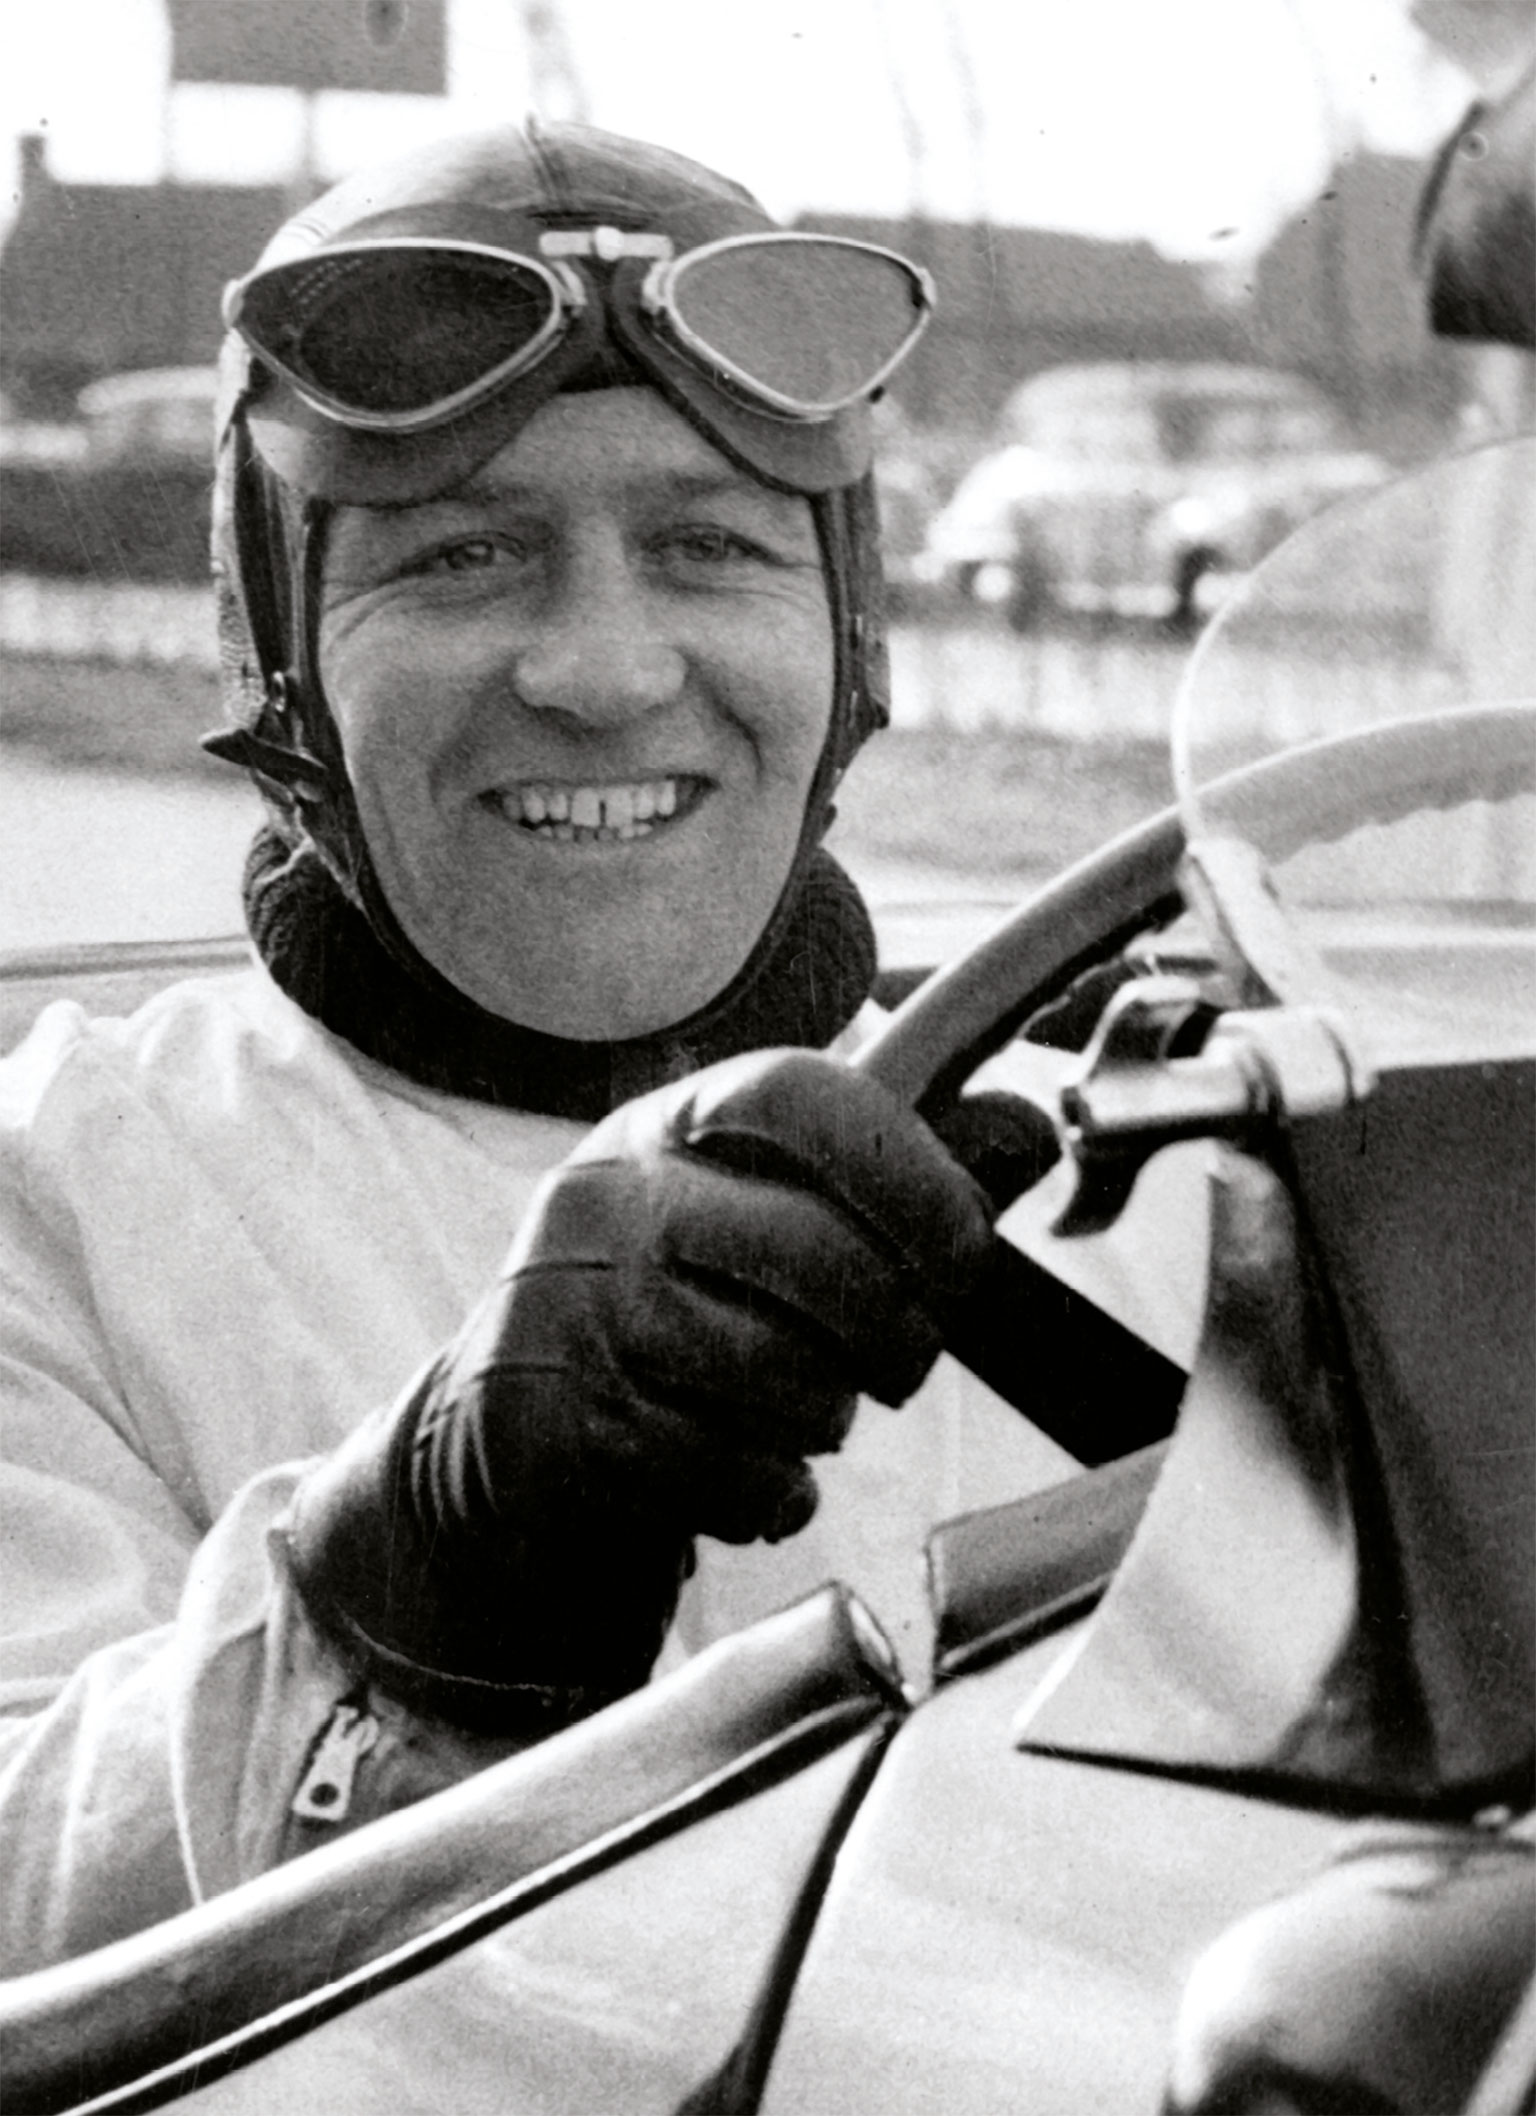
(465, 554)
(710, 545)
(470, 555)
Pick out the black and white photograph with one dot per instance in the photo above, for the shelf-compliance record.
(768, 1058)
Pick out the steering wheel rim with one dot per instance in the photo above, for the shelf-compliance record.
(1311, 795)
(937, 1038)
(1075, 1371)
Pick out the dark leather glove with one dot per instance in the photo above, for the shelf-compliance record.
(696, 1300)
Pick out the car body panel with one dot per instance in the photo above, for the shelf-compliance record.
(623, 1993)
(219, 1986)
(1008, 1931)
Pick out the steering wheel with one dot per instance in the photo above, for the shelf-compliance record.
(1107, 1392)
(1306, 796)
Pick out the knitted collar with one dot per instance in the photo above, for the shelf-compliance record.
(803, 985)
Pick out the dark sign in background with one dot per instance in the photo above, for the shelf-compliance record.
(387, 47)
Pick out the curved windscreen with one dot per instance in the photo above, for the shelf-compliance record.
(1363, 714)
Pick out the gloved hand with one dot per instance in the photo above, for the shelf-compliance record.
(691, 1309)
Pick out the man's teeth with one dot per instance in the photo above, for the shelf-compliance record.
(621, 812)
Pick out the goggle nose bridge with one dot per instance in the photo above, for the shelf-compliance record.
(608, 245)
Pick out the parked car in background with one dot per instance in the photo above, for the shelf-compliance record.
(1139, 490)
(916, 468)
(44, 441)
(157, 415)
(123, 493)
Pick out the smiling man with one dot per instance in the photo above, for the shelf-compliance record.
(549, 597)
(600, 862)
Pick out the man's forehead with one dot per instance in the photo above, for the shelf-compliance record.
(609, 442)
(619, 426)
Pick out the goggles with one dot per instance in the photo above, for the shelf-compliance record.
(401, 334)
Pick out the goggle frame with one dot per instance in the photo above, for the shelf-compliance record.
(569, 301)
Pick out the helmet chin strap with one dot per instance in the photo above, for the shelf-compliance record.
(292, 747)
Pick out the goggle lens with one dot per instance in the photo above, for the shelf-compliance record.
(398, 331)
(813, 324)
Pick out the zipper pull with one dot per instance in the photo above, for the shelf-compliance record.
(325, 1791)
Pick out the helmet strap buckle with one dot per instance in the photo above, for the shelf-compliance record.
(290, 760)
(300, 776)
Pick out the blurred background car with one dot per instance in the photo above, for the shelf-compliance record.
(159, 414)
(1139, 490)
(24, 440)
(909, 492)
(120, 492)
(917, 466)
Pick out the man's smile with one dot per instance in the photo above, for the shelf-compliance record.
(572, 812)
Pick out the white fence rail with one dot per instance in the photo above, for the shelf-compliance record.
(969, 676)
(966, 674)
(116, 621)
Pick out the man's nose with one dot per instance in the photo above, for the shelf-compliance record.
(599, 652)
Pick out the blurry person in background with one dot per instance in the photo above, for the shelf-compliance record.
(1477, 247)
(549, 594)
(1477, 254)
